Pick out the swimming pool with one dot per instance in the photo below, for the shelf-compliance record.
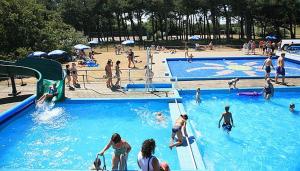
(69, 134)
(225, 68)
(265, 137)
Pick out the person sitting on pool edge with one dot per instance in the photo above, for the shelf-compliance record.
(268, 89)
(179, 126)
(122, 148)
(51, 93)
(292, 107)
(233, 83)
(228, 121)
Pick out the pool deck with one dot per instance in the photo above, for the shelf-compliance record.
(97, 89)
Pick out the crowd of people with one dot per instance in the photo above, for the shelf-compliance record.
(265, 47)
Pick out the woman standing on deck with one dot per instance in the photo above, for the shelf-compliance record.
(122, 148)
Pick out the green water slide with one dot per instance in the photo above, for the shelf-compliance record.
(46, 71)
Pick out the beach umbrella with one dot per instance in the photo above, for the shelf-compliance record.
(56, 53)
(94, 42)
(81, 47)
(128, 42)
(37, 54)
(195, 37)
(271, 38)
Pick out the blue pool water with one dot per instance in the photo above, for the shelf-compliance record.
(225, 68)
(68, 135)
(265, 137)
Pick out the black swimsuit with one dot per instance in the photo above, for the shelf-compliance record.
(68, 72)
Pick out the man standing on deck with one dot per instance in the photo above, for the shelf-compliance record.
(280, 68)
(228, 121)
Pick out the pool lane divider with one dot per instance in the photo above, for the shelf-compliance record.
(189, 156)
(4, 116)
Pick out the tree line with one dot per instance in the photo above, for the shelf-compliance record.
(58, 24)
(182, 18)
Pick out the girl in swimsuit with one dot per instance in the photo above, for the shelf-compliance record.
(121, 150)
(74, 74)
(68, 75)
(179, 126)
(118, 74)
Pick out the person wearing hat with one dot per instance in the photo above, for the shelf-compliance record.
(179, 126)
(228, 121)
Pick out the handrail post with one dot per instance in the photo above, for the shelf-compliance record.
(129, 75)
(86, 77)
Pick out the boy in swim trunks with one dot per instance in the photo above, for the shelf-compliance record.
(179, 126)
(228, 121)
(267, 64)
(280, 68)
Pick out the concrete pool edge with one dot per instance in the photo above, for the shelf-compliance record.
(226, 90)
(11, 112)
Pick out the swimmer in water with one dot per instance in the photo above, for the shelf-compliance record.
(228, 121)
(292, 107)
(159, 117)
(198, 100)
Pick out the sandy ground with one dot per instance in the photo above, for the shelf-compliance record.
(93, 85)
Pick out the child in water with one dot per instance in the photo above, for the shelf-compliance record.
(198, 100)
(292, 107)
(159, 117)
